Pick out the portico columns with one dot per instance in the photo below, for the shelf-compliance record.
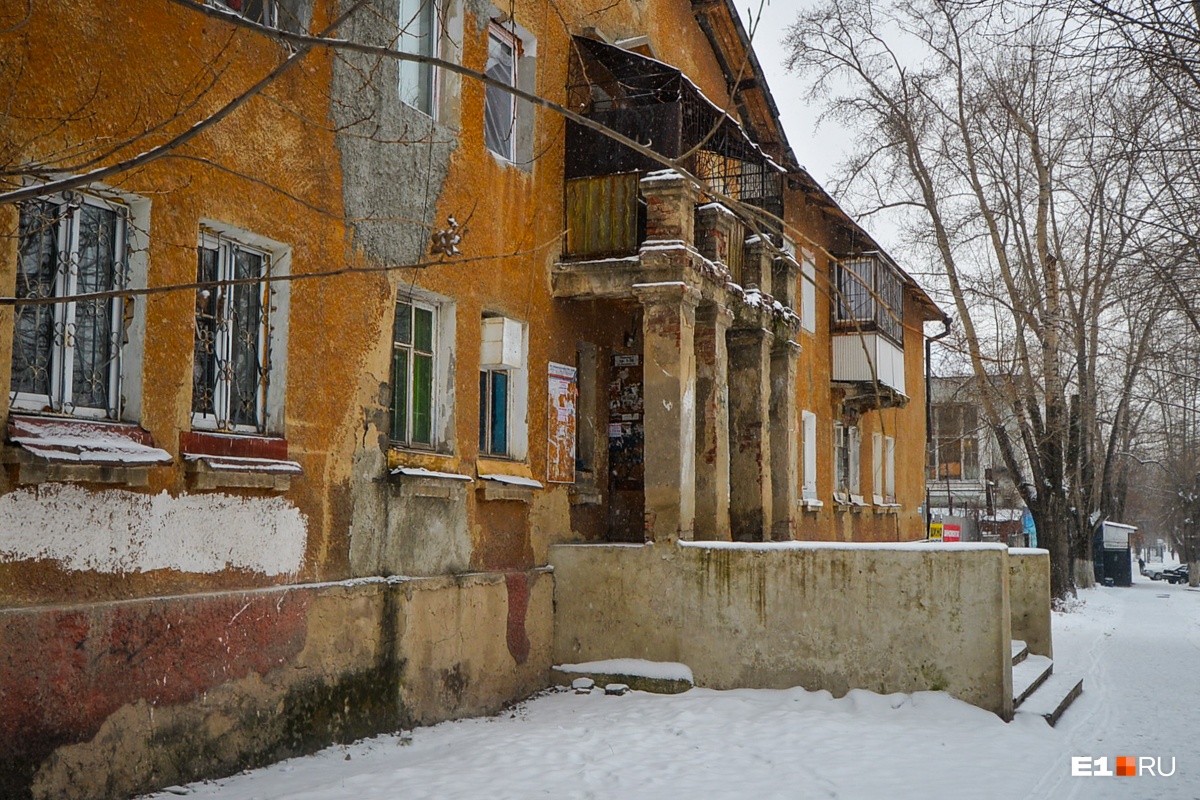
(669, 401)
(712, 422)
(750, 439)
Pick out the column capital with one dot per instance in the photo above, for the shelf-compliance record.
(668, 292)
(786, 347)
(750, 336)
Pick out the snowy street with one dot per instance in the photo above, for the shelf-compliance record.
(1138, 648)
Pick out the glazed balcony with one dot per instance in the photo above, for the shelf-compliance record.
(868, 331)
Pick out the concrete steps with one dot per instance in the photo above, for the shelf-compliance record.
(1053, 697)
(1037, 689)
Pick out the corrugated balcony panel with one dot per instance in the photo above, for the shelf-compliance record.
(868, 356)
(602, 215)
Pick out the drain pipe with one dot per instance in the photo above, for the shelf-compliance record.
(929, 340)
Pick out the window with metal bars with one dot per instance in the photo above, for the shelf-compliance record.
(412, 404)
(871, 296)
(66, 355)
(231, 358)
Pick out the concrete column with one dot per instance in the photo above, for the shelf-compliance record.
(750, 504)
(712, 422)
(785, 440)
(669, 397)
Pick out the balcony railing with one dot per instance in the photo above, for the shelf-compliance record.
(605, 216)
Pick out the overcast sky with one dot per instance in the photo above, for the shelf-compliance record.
(816, 152)
(819, 150)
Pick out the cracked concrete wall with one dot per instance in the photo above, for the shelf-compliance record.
(108, 700)
(1029, 597)
(837, 617)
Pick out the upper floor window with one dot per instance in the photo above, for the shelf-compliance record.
(66, 355)
(413, 354)
(954, 443)
(871, 296)
(264, 12)
(232, 352)
(419, 35)
(500, 107)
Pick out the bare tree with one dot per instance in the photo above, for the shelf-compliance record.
(1018, 167)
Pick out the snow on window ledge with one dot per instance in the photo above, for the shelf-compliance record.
(224, 461)
(62, 449)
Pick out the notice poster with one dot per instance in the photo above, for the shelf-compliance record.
(951, 533)
(935, 531)
(560, 455)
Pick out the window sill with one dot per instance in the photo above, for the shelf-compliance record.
(62, 449)
(852, 502)
(229, 461)
(508, 487)
(421, 482)
(811, 504)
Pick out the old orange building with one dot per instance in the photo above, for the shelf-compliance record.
(315, 350)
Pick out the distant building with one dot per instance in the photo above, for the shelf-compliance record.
(966, 479)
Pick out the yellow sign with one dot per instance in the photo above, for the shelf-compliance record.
(935, 531)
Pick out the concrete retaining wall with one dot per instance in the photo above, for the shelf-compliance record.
(112, 699)
(1029, 598)
(889, 618)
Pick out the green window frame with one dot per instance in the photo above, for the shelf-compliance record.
(414, 335)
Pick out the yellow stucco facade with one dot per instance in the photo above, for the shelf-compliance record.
(689, 392)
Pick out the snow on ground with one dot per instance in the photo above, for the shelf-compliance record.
(1138, 648)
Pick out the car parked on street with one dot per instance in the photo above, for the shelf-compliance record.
(1177, 575)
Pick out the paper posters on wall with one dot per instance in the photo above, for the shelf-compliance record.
(560, 455)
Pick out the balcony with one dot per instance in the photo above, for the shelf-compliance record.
(868, 328)
(651, 102)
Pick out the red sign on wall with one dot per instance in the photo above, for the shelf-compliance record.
(951, 533)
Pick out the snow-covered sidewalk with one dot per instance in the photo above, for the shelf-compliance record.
(1138, 650)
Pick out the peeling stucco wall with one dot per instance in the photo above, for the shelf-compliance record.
(119, 531)
(107, 700)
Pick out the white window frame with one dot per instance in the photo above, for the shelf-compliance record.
(272, 343)
(889, 469)
(434, 398)
(809, 491)
(410, 43)
(808, 293)
(854, 443)
(841, 467)
(62, 357)
(510, 40)
(517, 407)
(877, 467)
